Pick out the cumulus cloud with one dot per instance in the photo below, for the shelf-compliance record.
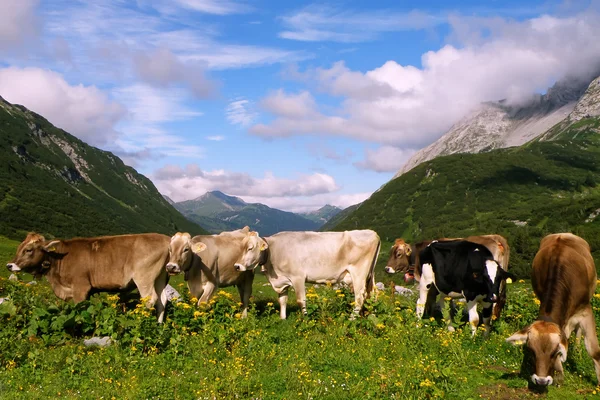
(324, 23)
(18, 23)
(241, 112)
(163, 69)
(385, 159)
(292, 106)
(409, 107)
(191, 181)
(85, 111)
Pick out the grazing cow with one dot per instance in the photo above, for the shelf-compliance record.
(500, 250)
(461, 269)
(400, 259)
(564, 279)
(294, 258)
(213, 261)
(77, 268)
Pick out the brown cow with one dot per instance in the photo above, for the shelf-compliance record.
(78, 267)
(564, 279)
(399, 260)
(213, 261)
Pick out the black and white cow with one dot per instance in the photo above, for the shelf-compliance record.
(461, 269)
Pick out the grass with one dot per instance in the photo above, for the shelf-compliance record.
(210, 353)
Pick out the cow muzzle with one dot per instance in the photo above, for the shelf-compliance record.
(240, 267)
(12, 267)
(541, 380)
(390, 270)
(173, 269)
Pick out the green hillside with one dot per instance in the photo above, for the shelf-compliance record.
(53, 183)
(523, 193)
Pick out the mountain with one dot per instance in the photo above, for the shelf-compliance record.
(339, 217)
(53, 183)
(497, 125)
(168, 199)
(522, 193)
(218, 212)
(323, 214)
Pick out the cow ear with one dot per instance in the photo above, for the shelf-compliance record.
(519, 338)
(562, 352)
(408, 250)
(198, 247)
(263, 245)
(51, 247)
(246, 229)
(253, 233)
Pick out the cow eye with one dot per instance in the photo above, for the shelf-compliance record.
(29, 251)
(250, 248)
(186, 249)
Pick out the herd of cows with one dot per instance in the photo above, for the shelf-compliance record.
(474, 269)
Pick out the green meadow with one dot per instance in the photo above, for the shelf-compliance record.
(211, 353)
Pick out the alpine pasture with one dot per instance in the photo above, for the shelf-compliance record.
(211, 353)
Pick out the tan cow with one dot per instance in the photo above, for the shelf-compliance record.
(564, 279)
(213, 261)
(78, 267)
(294, 258)
(399, 260)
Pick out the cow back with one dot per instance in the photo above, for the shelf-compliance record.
(563, 276)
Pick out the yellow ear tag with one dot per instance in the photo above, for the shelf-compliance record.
(199, 247)
(52, 248)
(518, 342)
(263, 247)
(508, 280)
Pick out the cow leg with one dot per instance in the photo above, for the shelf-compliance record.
(245, 290)
(161, 295)
(473, 316)
(588, 325)
(207, 293)
(425, 284)
(488, 308)
(283, 298)
(300, 289)
(359, 284)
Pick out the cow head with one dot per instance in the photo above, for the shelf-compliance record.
(496, 276)
(548, 345)
(181, 253)
(253, 251)
(34, 255)
(399, 257)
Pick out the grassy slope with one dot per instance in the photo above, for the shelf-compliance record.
(34, 194)
(323, 356)
(553, 186)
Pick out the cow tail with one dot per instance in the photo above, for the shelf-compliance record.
(371, 276)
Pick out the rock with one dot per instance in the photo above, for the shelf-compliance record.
(2, 299)
(13, 278)
(171, 293)
(31, 283)
(403, 291)
(380, 286)
(104, 341)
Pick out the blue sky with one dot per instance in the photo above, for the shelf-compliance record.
(291, 103)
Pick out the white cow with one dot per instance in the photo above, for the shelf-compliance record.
(294, 258)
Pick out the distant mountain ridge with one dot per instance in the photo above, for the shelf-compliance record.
(218, 212)
(495, 125)
(55, 184)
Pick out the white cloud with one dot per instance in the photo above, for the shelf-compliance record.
(324, 151)
(241, 112)
(409, 107)
(292, 106)
(190, 182)
(148, 109)
(323, 23)
(218, 7)
(18, 23)
(385, 159)
(217, 138)
(163, 69)
(84, 111)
